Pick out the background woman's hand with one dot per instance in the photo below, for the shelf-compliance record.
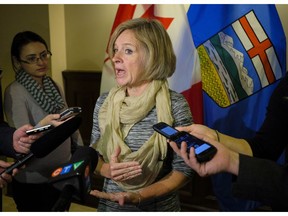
(52, 119)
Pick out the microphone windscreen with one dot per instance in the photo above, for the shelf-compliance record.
(33, 177)
(85, 152)
(77, 172)
(53, 138)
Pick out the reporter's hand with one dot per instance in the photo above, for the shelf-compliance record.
(4, 177)
(200, 131)
(224, 160)
(21, 141)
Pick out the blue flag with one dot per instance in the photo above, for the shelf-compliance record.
(242, 52)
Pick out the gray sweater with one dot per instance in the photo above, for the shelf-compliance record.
(138, 135)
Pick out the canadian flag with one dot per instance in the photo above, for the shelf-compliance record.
(187, 77)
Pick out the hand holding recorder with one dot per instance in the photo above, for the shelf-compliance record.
(22, 141)
(47, 143)
(71, 111)
(203, 150)
(225, 160)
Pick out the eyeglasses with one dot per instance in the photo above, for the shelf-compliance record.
(34, 59)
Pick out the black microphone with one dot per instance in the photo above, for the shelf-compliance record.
(73, 179)
(48, 142)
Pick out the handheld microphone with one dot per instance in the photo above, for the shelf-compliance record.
(74, 178)
(48, 142)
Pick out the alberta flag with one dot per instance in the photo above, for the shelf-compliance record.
(242, 52)
(229, 60)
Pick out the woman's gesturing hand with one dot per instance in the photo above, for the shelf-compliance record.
(122, 171)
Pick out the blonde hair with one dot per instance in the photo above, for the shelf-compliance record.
(161, 60)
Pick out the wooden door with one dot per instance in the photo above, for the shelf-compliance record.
(82, 88)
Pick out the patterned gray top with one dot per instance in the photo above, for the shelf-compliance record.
(138, 135)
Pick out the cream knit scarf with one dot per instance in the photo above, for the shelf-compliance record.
(117, 116)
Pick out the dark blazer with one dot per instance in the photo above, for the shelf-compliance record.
(271, 139)
(262, 180)
(6, 140)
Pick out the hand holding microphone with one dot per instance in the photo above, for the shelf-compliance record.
(48, 142)
(4, 177)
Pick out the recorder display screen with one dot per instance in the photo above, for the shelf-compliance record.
(169, 131)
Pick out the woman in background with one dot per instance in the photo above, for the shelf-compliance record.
(27, 100)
